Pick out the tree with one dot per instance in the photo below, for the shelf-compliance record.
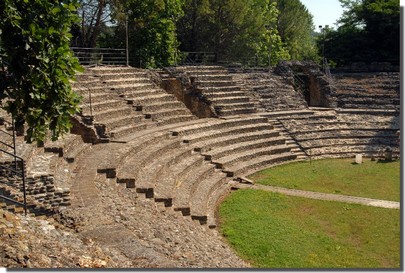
(234, 29)
(94, 15)
(295, 26)
(368, 31)
(152, 25)
(35, 49)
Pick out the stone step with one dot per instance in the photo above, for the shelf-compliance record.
(169, 179)
(138, 144)
(101, 70)
(124, 130)
(217, 89)
(219, 141)
(128, 81)
(279, 114)
(351, 94)
(200, 197)
(372, 106)
(112, 113)
(137, 161)
(224, 94)
(349, 150)
(162, 105)
(151, 99)
(108, 104)
(336, 142)
(100, 97)
(209, 137)
(229, 99)
(163, 113)
(205, 77)
(357, 111)
(136, 89)
(236, 148)
(175, 119)
(215, 199)
(229, 160)
(217, 124)
(121, 121)
(122, 75)
(215, 83)
(143, 183)
(233, 105)
(304, 128)
(237, 111)
(185, 190)
(258, 162)
(345, 132)
(203, 69)
(147, 177)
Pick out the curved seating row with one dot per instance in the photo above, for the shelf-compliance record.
(187, 166)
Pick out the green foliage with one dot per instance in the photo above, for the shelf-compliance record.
(153, 31)
(337, 176)
(234, 29)
(369, 31)
(295, 26)
(276, 231)
(35, 49)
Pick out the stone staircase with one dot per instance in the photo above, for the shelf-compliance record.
(271, 91)
(331, 133)
(219, 87)
(47, 170)
(125, 100)
(368, 90)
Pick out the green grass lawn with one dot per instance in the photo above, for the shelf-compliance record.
(271, 230)
(372, 179)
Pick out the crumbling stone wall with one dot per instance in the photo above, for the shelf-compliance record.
(182, 86)
(321, 91)
(41, 190)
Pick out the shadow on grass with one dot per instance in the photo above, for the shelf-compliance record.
(386, 161)
(379, 161)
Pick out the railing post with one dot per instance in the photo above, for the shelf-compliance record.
(24, 188)
(126, 39)
(14, 145)
(91, 107)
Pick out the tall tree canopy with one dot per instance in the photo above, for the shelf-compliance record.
(234, 29)
(38, 64)
(295, 26)
(368, 31)
(152, 25)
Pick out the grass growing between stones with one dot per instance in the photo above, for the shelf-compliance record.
(276, 231)
(371, 179)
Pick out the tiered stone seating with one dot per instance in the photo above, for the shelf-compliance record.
(197, 163)
(125, 100)
(368, 90)
(341, 134)
(189, 164)
(272, 92)
(218, 86)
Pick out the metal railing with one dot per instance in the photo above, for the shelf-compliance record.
(99, 56)
(85, 92)
(289, 75)
(327, 71)
(18, 168)
(198, 57)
